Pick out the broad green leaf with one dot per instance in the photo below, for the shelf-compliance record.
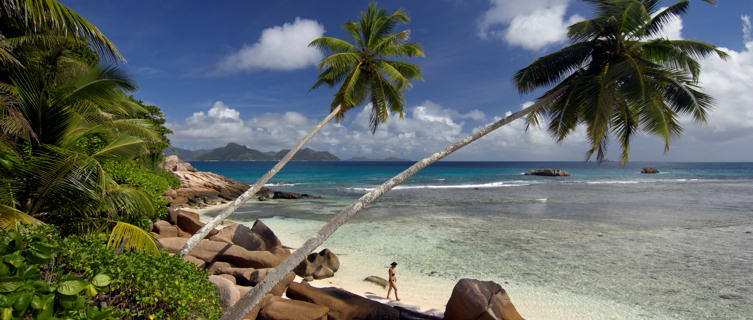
(22, 303)
(68, 302)
(91, 291)
(101, 280)
(38, 257)
(4, 269)
(15, 260)
(10, 285)
(37, 303)
(72, 287)
(6, 313)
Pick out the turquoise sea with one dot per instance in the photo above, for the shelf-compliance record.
(673, 245)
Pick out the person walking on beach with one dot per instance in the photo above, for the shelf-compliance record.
(393, 281)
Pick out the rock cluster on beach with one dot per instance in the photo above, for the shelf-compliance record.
(239, 257)
(548, 173)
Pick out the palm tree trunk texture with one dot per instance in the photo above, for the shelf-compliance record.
(194, 240)
(256, 295)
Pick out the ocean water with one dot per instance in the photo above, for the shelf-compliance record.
(604, 243)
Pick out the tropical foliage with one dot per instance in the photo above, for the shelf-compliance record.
(364, 66)
(620, 77)
(30, 288)
(159, 286)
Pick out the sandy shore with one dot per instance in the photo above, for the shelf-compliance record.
(428, 298)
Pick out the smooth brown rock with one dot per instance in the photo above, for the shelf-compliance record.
(649, 170)
(243, 258)
(198, 262)
(198, 188)
(342, 304)
(280, 252)
(277, 308)
(209, 250)
(319, 265)
(240, 235)
(164, 229)
(254, 313)
(473, 299)
(229, 294)
(231, 278)
(219, 267)
(173, 214)
(283, 285)
(188, 223)
(548, 173)
(172, 244)
(267, 235)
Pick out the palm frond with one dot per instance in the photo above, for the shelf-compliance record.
(655, 25)
(550, 69)
(332, 44)
(51, 15)
(123, 147)
(134, 238)
(10, 218)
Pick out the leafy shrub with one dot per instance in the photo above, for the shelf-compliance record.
(28, 289)
(153, 181)
(159, 287)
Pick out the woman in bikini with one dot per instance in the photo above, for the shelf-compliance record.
(393, 279)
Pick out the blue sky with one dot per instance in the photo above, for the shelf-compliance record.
(240, 71)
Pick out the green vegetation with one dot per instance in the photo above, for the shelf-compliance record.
(80, 154)
(30, 287)
(161, 286)
(44, 276)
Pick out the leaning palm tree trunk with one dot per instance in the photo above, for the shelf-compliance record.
(194, 240)
(256, 295)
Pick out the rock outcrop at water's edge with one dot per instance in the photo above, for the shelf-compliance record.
(198, 188)
(548, 173)
(472, 299)
(649, 170)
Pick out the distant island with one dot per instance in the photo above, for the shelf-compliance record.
(236, 152)
(372, 159)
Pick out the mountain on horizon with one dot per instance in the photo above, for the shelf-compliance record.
(236, 152)
(385, 159)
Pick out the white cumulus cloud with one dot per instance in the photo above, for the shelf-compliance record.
(279, 48)
(531, 24)
(426, 128)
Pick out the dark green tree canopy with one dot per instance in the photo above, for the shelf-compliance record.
(364, 66)
(618, 76)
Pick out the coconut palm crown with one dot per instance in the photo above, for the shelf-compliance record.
(619, 76)
(364, 69)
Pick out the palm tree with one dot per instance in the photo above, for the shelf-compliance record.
(78, 117)
(367, 76)
(46, 21)
(624, 74)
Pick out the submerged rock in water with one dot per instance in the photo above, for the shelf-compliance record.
(548, 173)
(649, 170)
(382, 282)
